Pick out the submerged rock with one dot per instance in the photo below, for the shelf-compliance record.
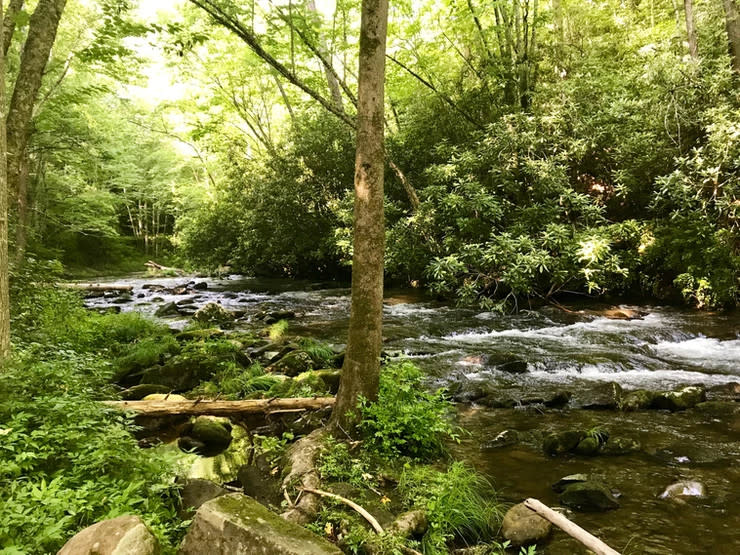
(588, 446)
(566, 481)
(589, 496)
(235, 523)
(522, 526)
(503, 439)
(562, 442)
(686, 488)
(683, 399)
(620, 446)
(123, 535)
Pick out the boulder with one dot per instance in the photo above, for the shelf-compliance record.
(235, 524)
(566, 481)
(213, 313)
(195, 492)
(522, 526)
(200, 286)
(589, 496)
(292, 364)
(142, 390)
(125, 535)
(206, 436)
(259, 484)
(718, 409)
(503, 439)
(685, 488)
(606, 396)
(167, 309)
(559, 400)
(327, 378)
(410, 523)
(164, 397)
(562, 442)
(683, 399)
(506, 362)
(637, 399)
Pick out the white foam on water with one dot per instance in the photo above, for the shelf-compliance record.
(409, 309)
(703, 351)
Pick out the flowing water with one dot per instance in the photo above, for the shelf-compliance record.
(462, 348)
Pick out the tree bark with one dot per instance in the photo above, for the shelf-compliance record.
(42, 32)
(361, 369)
(4, 281)
(325, 58)
(688, 6)
(14, 9)
(732, 24)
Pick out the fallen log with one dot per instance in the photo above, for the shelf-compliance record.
(154, 266)
(569, 527)
(221, 408)
(100, 288)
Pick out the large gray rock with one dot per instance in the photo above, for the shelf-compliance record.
(606, 396)
(589, 496)
(125, 535)
(235, 524)
(522, 526)
(197, 491)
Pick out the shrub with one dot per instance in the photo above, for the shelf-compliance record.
(406, 419)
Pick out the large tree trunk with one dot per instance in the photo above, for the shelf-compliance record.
(732, 24)
(42, 32)
(14, 9)
(688, 6)
(361, 369)
(4, 294)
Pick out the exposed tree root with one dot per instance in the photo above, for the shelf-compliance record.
(302, 474)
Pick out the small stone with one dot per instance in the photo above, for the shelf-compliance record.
(123, 535)
(522, 526)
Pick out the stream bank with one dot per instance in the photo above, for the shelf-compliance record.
(540, 355)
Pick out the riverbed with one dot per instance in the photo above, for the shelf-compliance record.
(555, 351)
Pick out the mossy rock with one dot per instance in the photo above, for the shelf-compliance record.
(588, 446)
(292, 364)
(328, 378)
(207, 436)
(562, 442)
(214, 313)
(683, 399)
(621, 446)
(141, 355)
(637, 400)
(199, 334)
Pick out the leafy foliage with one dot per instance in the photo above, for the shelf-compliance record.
(406, 420)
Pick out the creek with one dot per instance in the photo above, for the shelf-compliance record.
(554, 352)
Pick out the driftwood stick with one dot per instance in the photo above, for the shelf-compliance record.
(570, 528)
(221, 408)
(367, 516)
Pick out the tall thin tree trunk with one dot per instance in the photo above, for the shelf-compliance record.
(42, 31)
(331, 79)
(4, 270)
(732, 24)
(14, 9)
(361, 369)
(688, 6)
(22, 224)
